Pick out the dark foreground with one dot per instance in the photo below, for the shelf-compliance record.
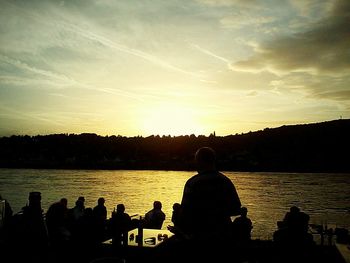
(258, 251)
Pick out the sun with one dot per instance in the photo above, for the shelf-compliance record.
(171, 119)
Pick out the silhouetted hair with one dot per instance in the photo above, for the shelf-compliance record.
(294, 209)
(244, 211)
(101, 201)
(205, 155)
(157, 204)
(176, 206)
(120, 208)
(34, 196)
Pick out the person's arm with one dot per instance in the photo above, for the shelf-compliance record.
(235, 202)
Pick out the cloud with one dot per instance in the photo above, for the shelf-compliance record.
(322, 49)
(335, 95)
(53, 79)
(23, 66)
(313, 86)
(228, 2)
(10, 112)
(309, 8)
(209, 53)
(244, 19)
(65, 27)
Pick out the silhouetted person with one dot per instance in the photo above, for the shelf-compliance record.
(74, 216)
(5, 219)
(78, 210)
(57, 224)
(85, 236)
(242, 227)
(30, 230)
(58, 231)
(120, 224)
(209, 199)
(154, 218)
(176, 216)
(64, 202)
(292, 237)
(100, 217)
(208, 202)
(296, 220)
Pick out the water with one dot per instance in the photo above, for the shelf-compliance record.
(268, 196)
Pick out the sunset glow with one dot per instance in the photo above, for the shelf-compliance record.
(171, 67)
(172, 120)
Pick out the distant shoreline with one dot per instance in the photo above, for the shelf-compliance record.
(308, 148)
(170, 170)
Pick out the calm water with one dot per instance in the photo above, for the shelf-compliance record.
(325, 197)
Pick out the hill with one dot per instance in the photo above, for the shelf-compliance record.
(317, 147)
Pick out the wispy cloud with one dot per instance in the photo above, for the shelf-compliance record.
(92, 33)
(63, 80)
(12, 113)
(248, 3)
(209, 53)
(19, 64)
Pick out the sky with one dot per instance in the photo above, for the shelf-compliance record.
(177, 67)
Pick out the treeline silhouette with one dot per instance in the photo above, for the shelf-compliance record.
(318, 147)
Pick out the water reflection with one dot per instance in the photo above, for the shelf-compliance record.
(325, 197)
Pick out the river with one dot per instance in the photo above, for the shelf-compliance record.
(268, 196)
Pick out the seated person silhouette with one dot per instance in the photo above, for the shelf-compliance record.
(293, 230)
(176, 216)
(154, 218)
(209, 200)
(242, 227)
(120, 224)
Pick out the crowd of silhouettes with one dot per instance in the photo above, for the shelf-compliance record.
(64, 232)
(202, 223)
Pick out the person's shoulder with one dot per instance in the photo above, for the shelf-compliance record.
(127, 216)
(224, 178)
(149, 213)
(193, 179)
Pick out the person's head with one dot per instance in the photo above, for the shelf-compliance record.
(120, 208)
(205, 158)
(80, 202)
(244, 211)
(294, 209)
(157, 205)
(176, 206)
(101, 201)
(34, 199)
